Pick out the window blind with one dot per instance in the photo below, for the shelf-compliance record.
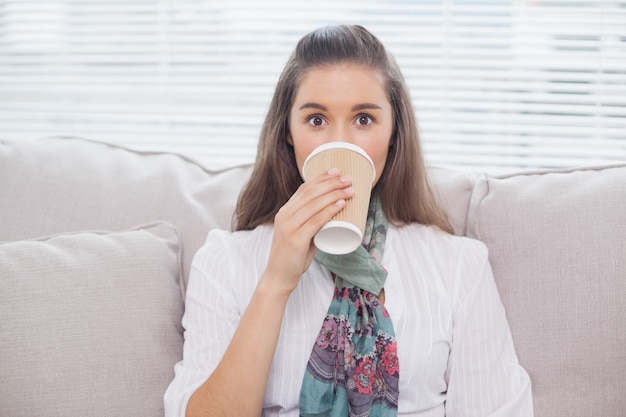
(497, 85)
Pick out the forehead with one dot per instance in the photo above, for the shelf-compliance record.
(337, 80)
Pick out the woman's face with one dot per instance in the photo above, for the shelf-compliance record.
(341, 103)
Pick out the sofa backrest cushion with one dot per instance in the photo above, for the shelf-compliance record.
(557, 244)
(454, 190)
(90, 322)
(62, 184)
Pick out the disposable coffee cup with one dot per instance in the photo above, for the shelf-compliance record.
(344, 232)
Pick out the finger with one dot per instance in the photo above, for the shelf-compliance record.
(314, 223)
(320, 185)
(311, 202)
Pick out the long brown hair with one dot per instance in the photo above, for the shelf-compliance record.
(403, 187)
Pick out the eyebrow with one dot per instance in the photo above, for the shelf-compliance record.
(313, 106)
(366, 106)
(356, 107)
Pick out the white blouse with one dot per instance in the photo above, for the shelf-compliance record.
(455, 348)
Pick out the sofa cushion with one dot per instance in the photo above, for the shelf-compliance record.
(90, 322)
(60, 184)
(454, 190)
(557, 244)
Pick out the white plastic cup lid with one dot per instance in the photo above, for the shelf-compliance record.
(338, 238)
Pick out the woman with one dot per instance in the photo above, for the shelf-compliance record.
(272, 328)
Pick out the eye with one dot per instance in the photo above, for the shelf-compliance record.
(364, 120)
(316, 120)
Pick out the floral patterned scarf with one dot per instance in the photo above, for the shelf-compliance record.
(353, 368)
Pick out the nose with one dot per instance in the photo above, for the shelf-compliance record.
(342, 133)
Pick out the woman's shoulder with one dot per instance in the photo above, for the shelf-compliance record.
(436, 243)
(457, 262)
(226, 244)
(240, 237)
(434, 235)
(227, 254)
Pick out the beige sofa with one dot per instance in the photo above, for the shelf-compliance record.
(98, 240)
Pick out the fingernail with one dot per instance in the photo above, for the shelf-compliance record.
(345, 178)
(340, 203)
(348, 190)
(333, 171)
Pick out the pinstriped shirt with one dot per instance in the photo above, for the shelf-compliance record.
(454, 344)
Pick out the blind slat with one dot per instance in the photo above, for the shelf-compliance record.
(524, 84)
